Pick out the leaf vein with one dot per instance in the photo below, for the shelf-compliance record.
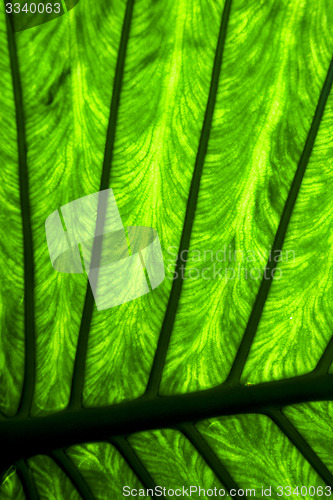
(75, 400)
(297, 439)
(171, 310)
(28, 257)
(134, 462)
(253, 322)
(68, 467)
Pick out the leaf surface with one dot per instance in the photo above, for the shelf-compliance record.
(212, 123)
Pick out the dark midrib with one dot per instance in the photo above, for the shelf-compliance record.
(169, 318)
(133, 461)
(297, 439)
(81, 351)
(212, 460)
(27, 480)
(68, 467)
(25, 437)
(252, 325)
(28, 260)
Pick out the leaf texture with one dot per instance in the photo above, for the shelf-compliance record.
(212, 123)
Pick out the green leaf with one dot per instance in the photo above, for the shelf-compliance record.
(212, 123)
